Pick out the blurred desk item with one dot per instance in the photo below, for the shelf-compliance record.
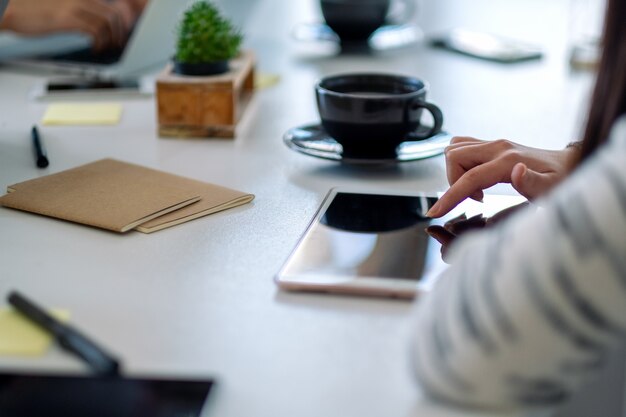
(207, 105)
(20, 337)
(33, 395)
(262, 81)
(487, 46)
(586, 18)
(384, 38)
(82, 114)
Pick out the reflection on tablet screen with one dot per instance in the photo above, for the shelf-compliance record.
(358, 238)
(366, 235)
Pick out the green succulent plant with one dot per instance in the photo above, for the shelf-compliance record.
(204, 35)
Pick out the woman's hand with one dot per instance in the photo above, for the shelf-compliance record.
(447, 234)
(473, 165)
(107, 22)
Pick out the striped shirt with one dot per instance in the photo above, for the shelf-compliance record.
(530, 309)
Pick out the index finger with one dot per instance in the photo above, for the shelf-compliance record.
(464, 139)
(473, 181)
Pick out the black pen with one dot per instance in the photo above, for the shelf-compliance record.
(41, 159)
(69, 338)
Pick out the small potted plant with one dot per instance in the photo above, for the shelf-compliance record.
(206, 41)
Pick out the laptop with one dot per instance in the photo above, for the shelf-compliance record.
(150, 44)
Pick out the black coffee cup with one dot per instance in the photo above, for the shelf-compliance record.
(354, 20)
(371, 114)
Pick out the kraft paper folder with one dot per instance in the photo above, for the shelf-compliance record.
(120, 196)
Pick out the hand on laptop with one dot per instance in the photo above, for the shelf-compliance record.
(107, 22)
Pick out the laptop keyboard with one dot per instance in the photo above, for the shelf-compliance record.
(87, 56)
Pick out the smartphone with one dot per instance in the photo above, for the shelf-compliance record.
(375, 243)
(35, 395)
(73, 87)
(487, 46)
(86, 84)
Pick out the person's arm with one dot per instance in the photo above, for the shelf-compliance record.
(137, 6)
(529, 309)
(473, 165)
(3, 5)
(108, 23)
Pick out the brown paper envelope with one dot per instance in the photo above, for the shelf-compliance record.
(213, 198)
(108, 194)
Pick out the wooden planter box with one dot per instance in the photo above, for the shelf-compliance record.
(205, 106)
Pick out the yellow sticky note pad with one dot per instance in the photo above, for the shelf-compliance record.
(82, 114)
(20, 337)
(265, 80)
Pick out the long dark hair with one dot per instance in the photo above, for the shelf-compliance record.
(609, 97)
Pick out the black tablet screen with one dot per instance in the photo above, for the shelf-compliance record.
(384, 236)
(69, 396)
(369, 235)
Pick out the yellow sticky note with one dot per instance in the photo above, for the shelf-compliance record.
(265, 80)
(82, 114)
(19, 336)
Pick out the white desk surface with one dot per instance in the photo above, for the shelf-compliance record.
(199, 299)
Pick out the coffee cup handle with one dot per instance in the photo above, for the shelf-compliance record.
(437, 118)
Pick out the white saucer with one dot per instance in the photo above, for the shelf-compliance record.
(385, 37)
(313, 140)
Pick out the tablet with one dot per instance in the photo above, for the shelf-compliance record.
(32, 395)
(376, 243)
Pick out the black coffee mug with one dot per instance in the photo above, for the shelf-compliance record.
(371, 114)
(354, 20)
